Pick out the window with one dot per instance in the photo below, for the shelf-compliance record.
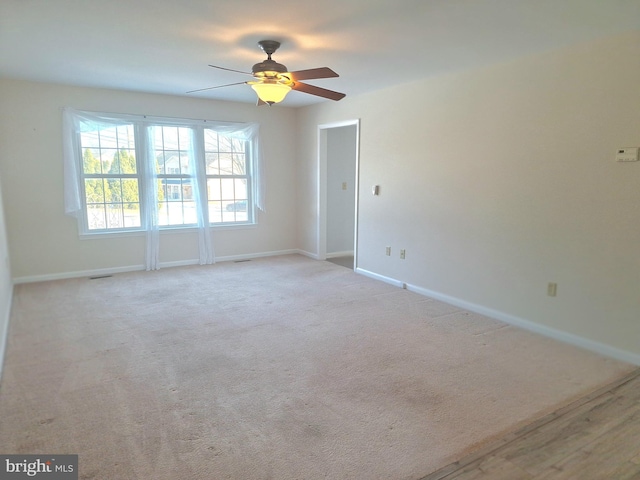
(228, 181)
(126, 173)
(111, 179)
(175, 167)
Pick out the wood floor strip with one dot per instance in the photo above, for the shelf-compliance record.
(591, 424)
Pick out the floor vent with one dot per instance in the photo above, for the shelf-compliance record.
(241, 261)
(97, 277)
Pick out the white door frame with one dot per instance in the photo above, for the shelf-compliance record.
(322, 187)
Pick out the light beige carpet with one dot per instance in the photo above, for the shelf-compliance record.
(279, 368)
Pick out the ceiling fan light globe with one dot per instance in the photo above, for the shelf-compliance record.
(270, 92)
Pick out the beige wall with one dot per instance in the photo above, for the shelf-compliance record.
(499, 180)
(45, 243)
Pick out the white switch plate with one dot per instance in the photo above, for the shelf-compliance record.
(627, 154)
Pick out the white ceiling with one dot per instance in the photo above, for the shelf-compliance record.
(164, 46)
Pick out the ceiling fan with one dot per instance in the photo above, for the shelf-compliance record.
(272, 81)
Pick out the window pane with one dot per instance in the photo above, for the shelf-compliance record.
(241, 213)
(130, 191)
(90, 139)
(213, 189)
(171, 162)
(167, 138)
(90, 163)
(115, 190)
(238, 145)
(210, 140)
(185, 163)
(132, 216)
(106, 159)
(96, 217)
(123, 162)
(215, 211)
(109, 138)
(160, 163)
(239, 166)
(94, 190)
(240, 189)
(226, 188)
(177, 205)
(224, 144)
(173, 150)
(187, 189)
(171, 213)
(184, 138)
(127, 161)
(126, 137)
(226, 164)
(115, 217)
(213, 165)
(190, 213)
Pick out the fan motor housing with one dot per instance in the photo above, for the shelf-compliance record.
(268, 68)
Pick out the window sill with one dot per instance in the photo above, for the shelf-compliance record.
(163, 231)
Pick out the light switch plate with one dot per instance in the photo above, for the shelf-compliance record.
(627, 154)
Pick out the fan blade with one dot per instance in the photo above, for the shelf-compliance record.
(320, 92)
(217, 86)
(260, 102)
(313, 73)
(231, 70)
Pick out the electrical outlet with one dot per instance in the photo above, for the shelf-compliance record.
(388, 251)
(402, 254)
(552, 289)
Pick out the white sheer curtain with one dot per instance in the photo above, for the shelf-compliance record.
(205, 246)
(76, 122)
(149, 195)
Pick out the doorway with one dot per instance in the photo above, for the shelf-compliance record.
(338, 192)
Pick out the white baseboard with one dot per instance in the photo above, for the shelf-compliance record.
(340, 254)
(315, 256)
(235, 258)
(76, 274)
(560, 335)
(134, 268)
(382, 278)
